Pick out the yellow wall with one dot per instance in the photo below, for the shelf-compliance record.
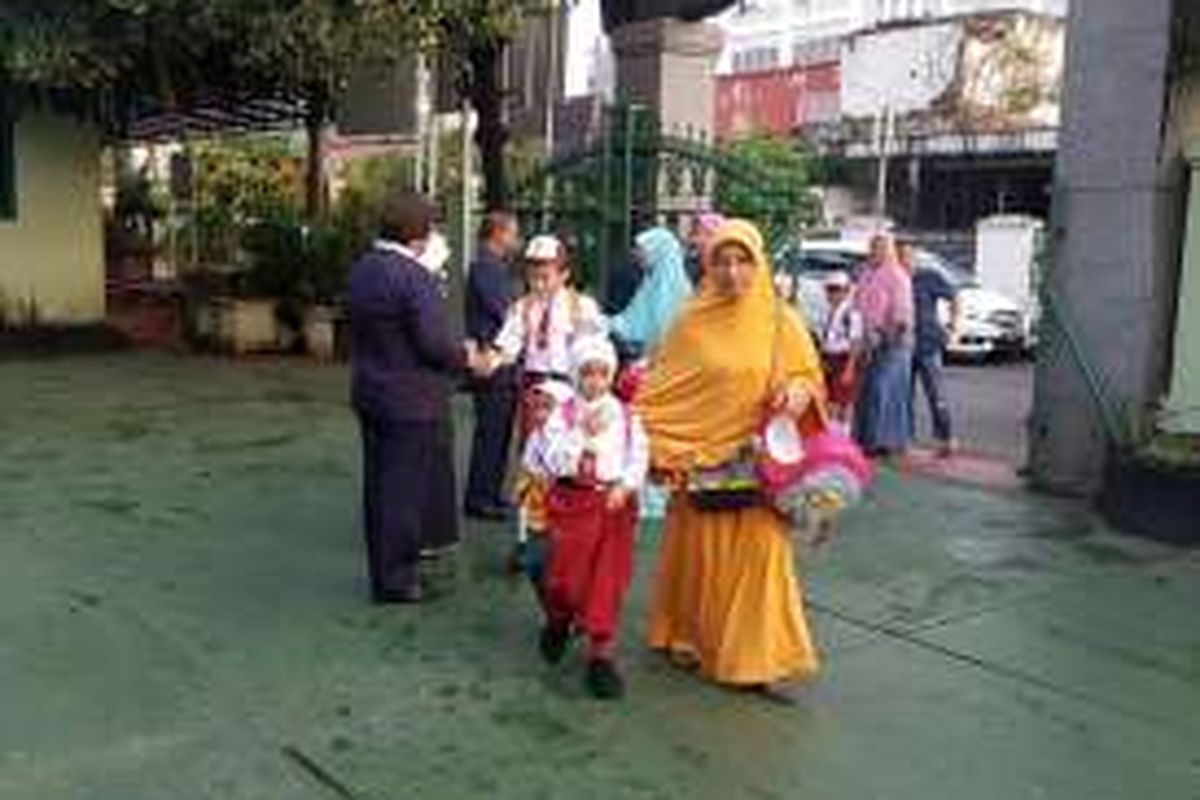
(53, 254)
(1182, 412)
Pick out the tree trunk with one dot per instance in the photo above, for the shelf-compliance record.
(316, 197)
(487, 96)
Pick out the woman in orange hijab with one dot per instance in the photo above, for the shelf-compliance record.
(726, 598)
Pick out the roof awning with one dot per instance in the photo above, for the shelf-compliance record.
(222, 115)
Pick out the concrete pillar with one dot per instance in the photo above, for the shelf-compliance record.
(1114, 239)
(669, 65)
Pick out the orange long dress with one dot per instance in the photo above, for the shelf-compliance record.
(726, 592)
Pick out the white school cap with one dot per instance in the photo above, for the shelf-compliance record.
(593, 350)
(559, 391)
(544, 248)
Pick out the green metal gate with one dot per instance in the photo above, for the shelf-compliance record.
(632, 175)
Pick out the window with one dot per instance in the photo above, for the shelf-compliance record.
(8, 162)
(755, 59)
(750, 7)
(816, 51)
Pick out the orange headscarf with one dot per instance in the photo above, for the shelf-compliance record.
(710, 380)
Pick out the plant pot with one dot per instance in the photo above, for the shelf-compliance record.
(341, 337)
(320, 338)
(1152, 500)
(242, 327)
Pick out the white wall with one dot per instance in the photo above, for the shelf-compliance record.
(587, 50)
(905, 69)
(52, 254)
(784, 23)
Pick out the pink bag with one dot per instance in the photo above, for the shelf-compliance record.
(794, 470)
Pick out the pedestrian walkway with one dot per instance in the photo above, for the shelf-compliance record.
(966, 468)
(181, 616)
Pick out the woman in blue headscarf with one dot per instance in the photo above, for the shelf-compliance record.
(660, 297)
(662, 293)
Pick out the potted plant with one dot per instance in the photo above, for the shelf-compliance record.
(1151, 486)
(329, 249)
(267, 310)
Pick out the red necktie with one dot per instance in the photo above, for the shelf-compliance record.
(543, 333)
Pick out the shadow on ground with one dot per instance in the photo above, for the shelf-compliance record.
(181, 617)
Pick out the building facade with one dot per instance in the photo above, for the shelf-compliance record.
(771, 34)
(779, 101)
(51, 221)
(955, 102)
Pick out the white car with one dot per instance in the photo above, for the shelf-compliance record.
(991, 323)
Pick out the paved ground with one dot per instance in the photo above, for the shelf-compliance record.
(181, 618)
(990, 405)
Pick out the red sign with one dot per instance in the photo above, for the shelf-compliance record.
(778, 101)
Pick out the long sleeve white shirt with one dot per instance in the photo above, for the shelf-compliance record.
(843, 329)
(621, 450)
(572, 316)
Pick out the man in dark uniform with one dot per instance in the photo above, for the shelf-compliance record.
(404, 361)
(489, 294)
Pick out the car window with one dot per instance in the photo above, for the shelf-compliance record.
(959, 278)
(830, 262)
(789, 260)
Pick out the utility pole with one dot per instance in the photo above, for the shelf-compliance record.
(555, 12)
(422, 113)
(884, 129)
(467, 179)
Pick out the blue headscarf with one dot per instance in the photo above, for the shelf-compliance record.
(662, 293)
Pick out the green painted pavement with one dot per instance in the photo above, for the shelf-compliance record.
(181, 616)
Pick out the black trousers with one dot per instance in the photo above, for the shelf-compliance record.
(408, 497)
(495, 411)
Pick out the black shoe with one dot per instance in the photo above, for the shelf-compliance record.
(488, 513)
(410, 594)
(553, 644)
(515, 565)
(603, 681)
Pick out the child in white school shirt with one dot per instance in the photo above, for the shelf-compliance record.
(598, 457)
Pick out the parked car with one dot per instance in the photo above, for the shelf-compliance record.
(991, 323)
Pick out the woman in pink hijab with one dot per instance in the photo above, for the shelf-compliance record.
(703, 228)
(882, 423)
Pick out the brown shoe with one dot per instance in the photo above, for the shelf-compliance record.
(947, 449)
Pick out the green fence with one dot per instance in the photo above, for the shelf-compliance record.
(631, 175)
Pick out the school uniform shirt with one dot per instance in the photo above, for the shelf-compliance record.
(538, 333)
(536, 458)
(620, 451)
(843, 330)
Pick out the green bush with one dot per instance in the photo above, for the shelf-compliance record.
(238, 182)
(368, 181)
(295, 261)
(779, 196)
